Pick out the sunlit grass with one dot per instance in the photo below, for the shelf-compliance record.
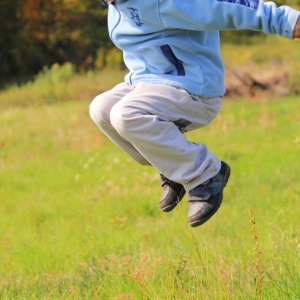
(58, 84)
(79, 219)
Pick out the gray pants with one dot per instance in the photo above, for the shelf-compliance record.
(147, 122)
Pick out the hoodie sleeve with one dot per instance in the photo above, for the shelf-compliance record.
(229, 15)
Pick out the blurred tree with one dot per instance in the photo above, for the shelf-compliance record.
(38, 33)
(10, 38)
(66, 30)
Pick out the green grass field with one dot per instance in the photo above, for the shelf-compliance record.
(80, 220)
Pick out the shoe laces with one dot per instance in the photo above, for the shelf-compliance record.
(200, 192)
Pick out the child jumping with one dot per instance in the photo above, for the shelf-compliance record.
(175, 84)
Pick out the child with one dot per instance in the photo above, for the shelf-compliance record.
(175, 84)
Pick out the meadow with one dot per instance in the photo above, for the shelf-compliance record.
(80, 220)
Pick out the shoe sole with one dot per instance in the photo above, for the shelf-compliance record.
(170, 207)
(226, 178)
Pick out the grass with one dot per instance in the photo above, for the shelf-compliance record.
(80, 220)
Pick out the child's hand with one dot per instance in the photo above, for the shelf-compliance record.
(297, 30)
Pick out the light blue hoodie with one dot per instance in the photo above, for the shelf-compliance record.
(176, 42)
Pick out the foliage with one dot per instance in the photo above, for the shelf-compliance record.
(57, 84)
(12, 64)
(40, 33)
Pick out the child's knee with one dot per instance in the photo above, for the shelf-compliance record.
(117, 118)
(123, 118)
(98, 112)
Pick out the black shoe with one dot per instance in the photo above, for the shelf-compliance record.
(206, 198)
(172, 194)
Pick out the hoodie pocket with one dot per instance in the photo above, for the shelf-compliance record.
(167, 51)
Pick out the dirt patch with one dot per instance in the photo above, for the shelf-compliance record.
(257, 81)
